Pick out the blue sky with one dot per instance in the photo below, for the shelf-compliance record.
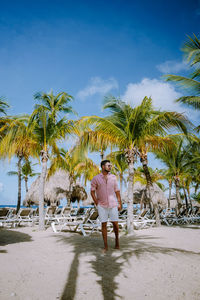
(90, 49)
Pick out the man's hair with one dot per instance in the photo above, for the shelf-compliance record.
(104, 162)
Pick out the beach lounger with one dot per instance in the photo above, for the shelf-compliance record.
(24, 216)
(91, 224)
(72, 223)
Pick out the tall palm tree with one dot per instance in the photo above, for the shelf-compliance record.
(26, 172)
(156, 176)
(54, 104)
(175, 158)
(131, 128)
(48, 130)
(191, 51)
(18, 141)
(47, 133)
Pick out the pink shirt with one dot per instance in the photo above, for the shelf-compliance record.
(105, 190)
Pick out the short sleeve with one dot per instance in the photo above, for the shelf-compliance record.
(93, 184)
(116, 187)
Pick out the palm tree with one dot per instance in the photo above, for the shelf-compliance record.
(191, 51)
(168, 175)
(54, 104)
(175, 158)
(48, 130)
(156, 176)
(26, 172)
(47, 133)
(18, 141)
(131, 130)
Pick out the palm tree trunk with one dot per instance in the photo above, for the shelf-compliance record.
(178, 196)
(170, 192)
(102, 154)
(41, 190)
(188, 191)
(130, 156)
(143, 159)
(70, 190)
(26, 184)
(130, 198)
(19, 182)
(185, 196)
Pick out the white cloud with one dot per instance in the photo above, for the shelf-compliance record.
(163, 94)
(1, 187)
(98, 85)
(172, 66)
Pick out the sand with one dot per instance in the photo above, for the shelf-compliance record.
(156, 263)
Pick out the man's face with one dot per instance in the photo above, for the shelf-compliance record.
(107, 167)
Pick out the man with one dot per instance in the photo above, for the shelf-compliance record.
(106, 196)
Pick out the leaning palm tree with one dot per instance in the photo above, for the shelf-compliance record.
(18, 141)
(191, 51)
(131, 128)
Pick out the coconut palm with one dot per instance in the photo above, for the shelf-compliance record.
(54, 104)
(191, 51)
(86, 169)
(18, 141)
(47, 132)
(133, 129)
(26, 172)
(77, 167)
(156, 176)
(176, 159)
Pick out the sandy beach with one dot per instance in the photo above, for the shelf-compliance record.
(157, 263)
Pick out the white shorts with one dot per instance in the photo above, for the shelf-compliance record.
(107, 213)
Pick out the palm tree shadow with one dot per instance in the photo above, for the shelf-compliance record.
(8, 236)
(107, 267)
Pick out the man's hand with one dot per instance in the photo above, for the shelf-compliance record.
(119, 206)
(94, 198)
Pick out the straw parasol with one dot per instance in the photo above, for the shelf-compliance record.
(56, 188)
(141, 195)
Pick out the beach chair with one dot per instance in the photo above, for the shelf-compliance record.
(24, 216)
(72, 223)
(5, 215)
(50, 214)
(90, 224)
(141, 220)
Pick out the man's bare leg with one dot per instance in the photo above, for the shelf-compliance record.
(116, 231)
(104, 234)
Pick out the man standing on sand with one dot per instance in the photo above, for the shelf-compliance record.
(106, 196)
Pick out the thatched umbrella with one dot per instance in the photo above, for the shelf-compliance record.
(141, 195)
(56, 188)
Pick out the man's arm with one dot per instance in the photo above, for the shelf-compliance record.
(93, 194)
(119, 200)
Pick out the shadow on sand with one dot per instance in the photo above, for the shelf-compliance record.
(12, 236)
(107, 267)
